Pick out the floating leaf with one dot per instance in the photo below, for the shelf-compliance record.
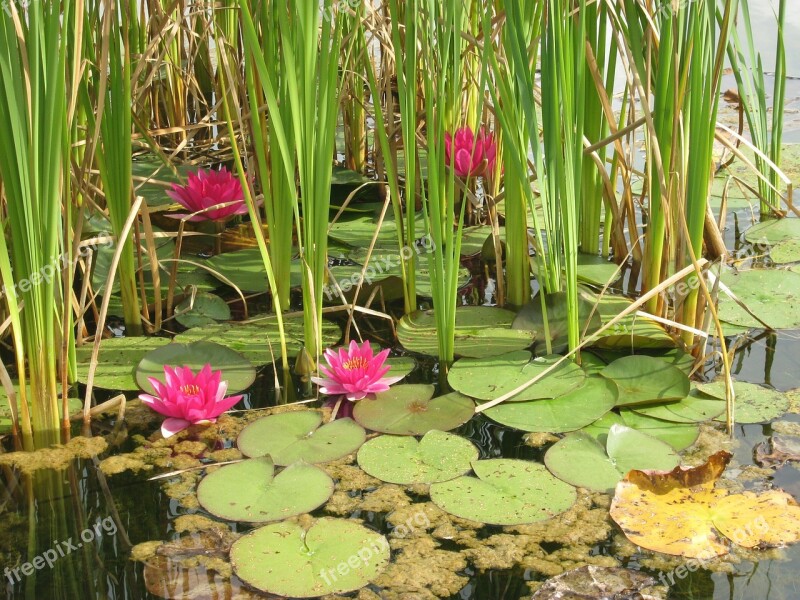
(203, 309)
(597, 270)
(332, 556)
(754, 403)
(583, 461)
(438, 456)
(785, 252)
(293, 436)
(772, 231)
(490, 378)
(116, 367)
(678, 435)
(595, 398)
(236, 369)
(74, 405)
(772, 294)
(401, 366)
(644, 380)
(412, 410)
(505, 492)
(632, 331)
(480, 331)
(245, 269)
(673, 356)
(695, 408)
(259, 338)
(681, 512)
(247, 491)
(531, 318)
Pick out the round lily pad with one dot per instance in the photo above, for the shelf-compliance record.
(438, 456)
(204, 309)
(292, 436)
(249, 491)
(785, 252)
(597, 270)
(245, 269)
(400, 366)
(583, 461)
(236, 369)
(412, 410)
(505, 492)
(490, 378)
(645, 380)
(773, 231)
(678, 435)
(116, 367)
(480, 331)
(630, 333)
(258, 339)
(531, 318)
(333, 556)
(695, 408)
(754, 403)
(74, 405)
(596, 397)
(772, 294)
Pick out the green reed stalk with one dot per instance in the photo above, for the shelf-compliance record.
(310, 49)
(748, 70)
(34, 169)
(595, 126)
(354, 110)
(439, 28)
(114, 160)
(270, 172)
(404, 41)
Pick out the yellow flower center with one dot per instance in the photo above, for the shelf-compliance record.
(359, 362)
(190, 389)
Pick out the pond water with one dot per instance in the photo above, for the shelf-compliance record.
(78, 526)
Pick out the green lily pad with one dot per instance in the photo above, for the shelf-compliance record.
(645, 380)
(292, 436)
(490, 378)
(158, 176)
(772, 294)
(531, 318)
(600, 428)
(116, 367)
(388, 278)
(474, 239)
(695, 408)
(785, 252)
(74, 405)
(236, 369)
(631, 332)
(438, 456)
(673, 356)
(333, 556)
(259, 339)
(583, 461)
(412, 410)
(597, 270)
(505, 492)
(480, 331)
(401, 366)
(754, 403)
(245, 269)
(595, 398)
(249, 491)
(773, 231)
(203, 309)
(678, 435)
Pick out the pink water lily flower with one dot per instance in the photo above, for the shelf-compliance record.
(354, 372)
(206, 189)
(188, 399)
(470, 156)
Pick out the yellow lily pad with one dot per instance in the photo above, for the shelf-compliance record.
(680, 512)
